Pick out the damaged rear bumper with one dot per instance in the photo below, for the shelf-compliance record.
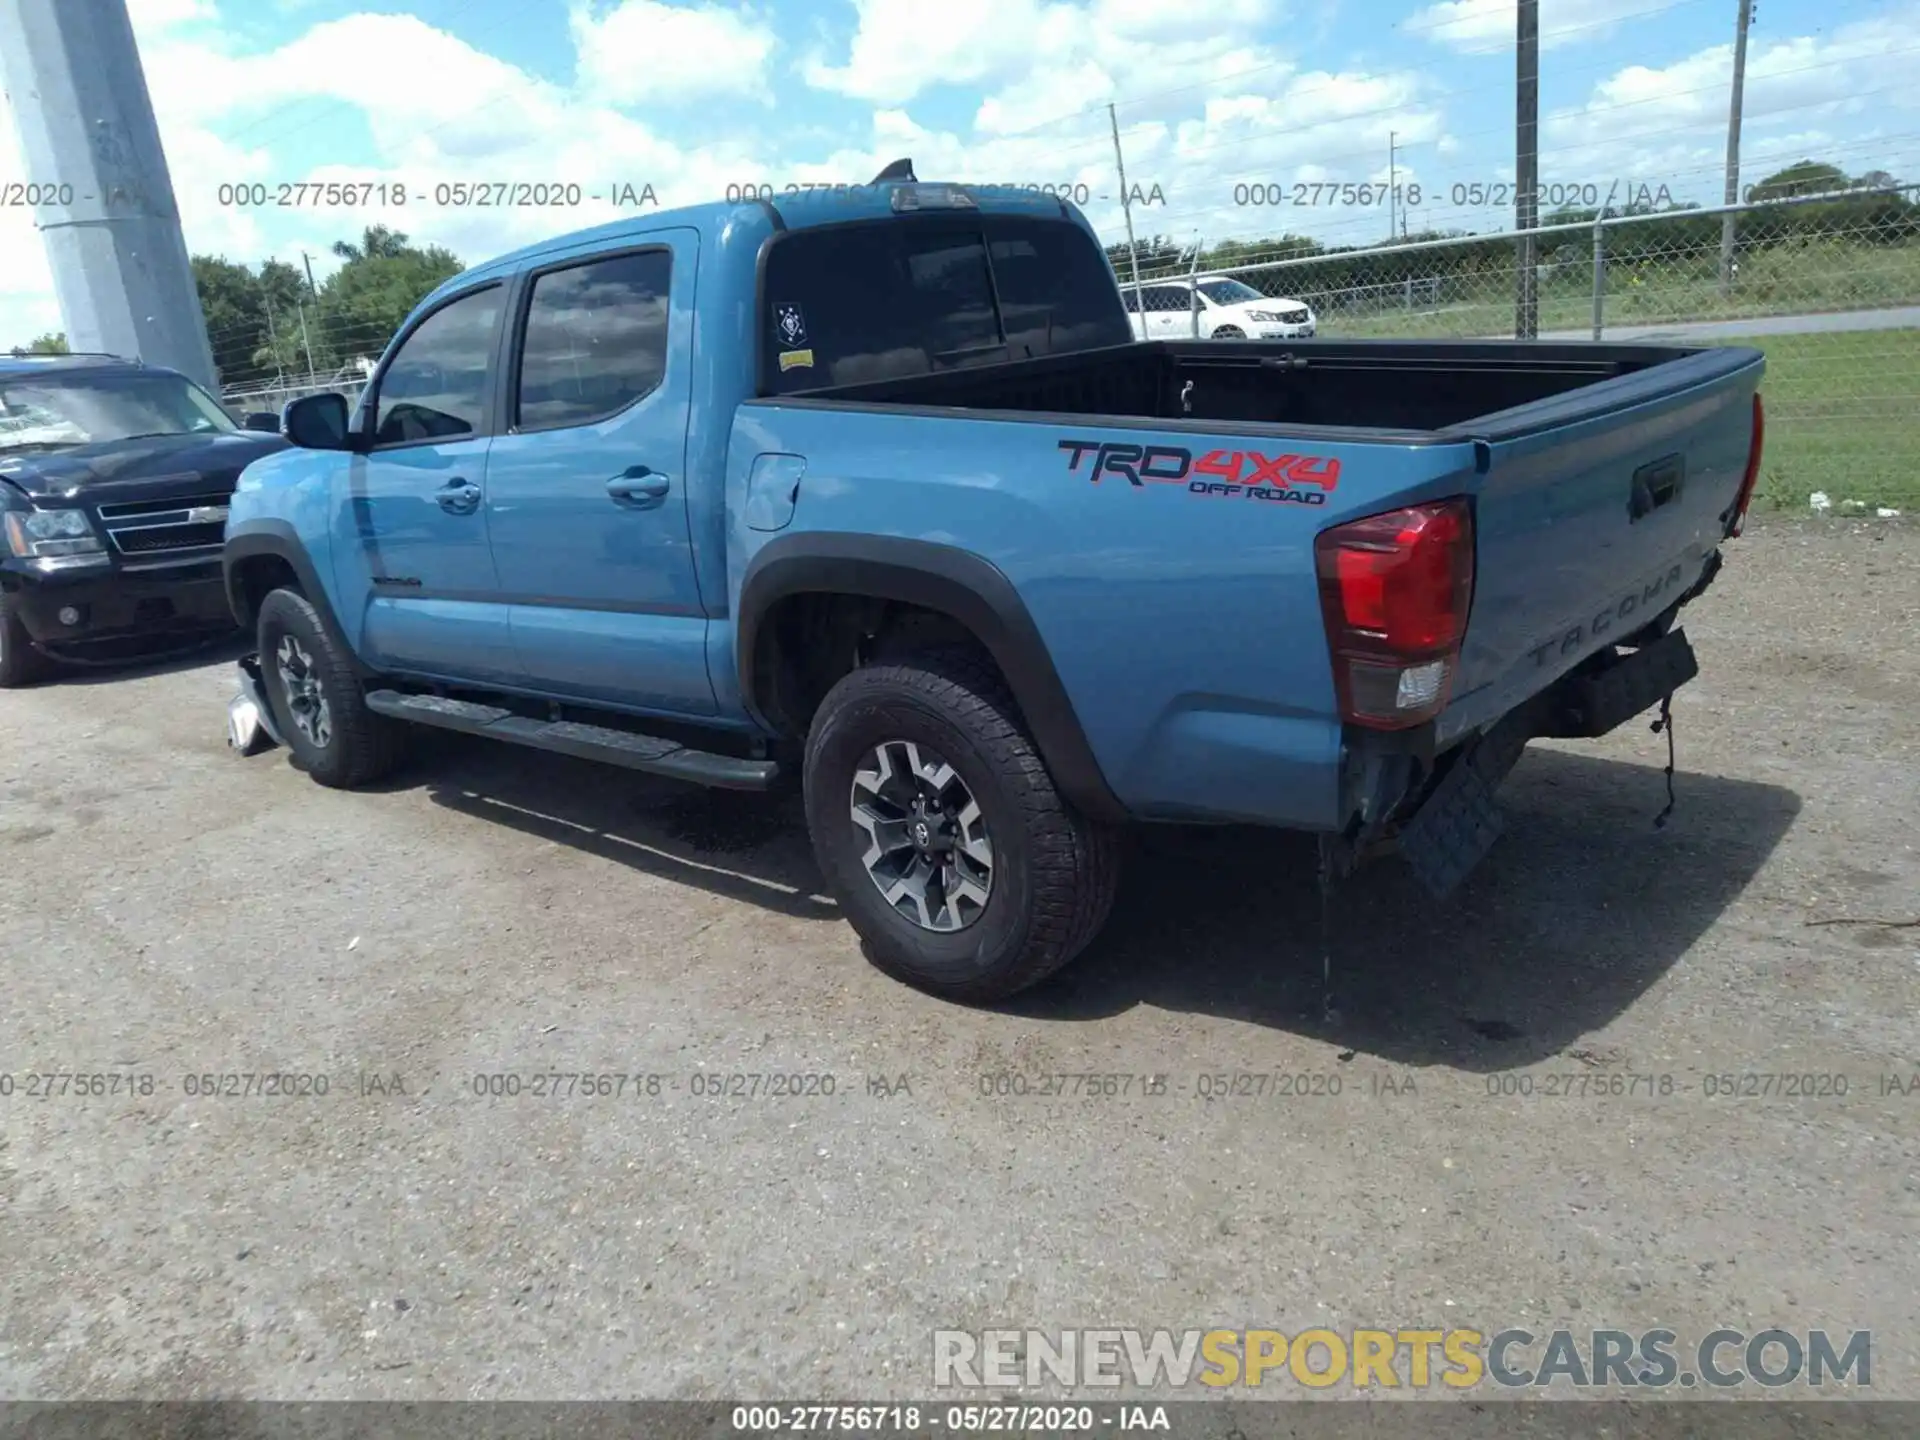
(1444, 820)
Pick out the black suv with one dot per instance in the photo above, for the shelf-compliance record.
(114, 483)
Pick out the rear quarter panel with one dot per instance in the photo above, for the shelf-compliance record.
(1185, 627)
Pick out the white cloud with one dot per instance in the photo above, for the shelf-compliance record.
(1063, 95)
(1028, 46)
(1159, 20)
(645, 53)
(1670, 121)
(27, 307)
(150, 17)
(1487, 26)
(436, 109)
(899, 50)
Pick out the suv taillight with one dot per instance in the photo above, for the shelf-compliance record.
(1394, 591)
(1752, 477)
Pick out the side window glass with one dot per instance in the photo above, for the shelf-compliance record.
(596, 339)
(435, 388)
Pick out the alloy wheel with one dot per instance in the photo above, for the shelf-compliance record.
(927, 847)
(311, 712)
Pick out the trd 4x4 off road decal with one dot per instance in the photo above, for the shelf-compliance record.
(1289, 479)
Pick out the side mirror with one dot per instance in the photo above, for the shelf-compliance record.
(317, 422)
(264, 420)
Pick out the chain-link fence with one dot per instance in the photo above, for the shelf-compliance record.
(1827, 285)
(247, 400)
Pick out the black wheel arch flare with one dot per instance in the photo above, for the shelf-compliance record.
(280, 541)
(953, 582)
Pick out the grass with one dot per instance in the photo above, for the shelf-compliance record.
(1843, 409)
(1841, 412)
(1806, 277)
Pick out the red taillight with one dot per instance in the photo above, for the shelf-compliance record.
(1394, 591)
(1752, 477)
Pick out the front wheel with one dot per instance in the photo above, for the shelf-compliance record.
(1229, 332)
(317, 701)
(941, 835)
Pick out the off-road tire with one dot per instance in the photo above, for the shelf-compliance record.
(361, 747)
(20, 663)
(1054, 870)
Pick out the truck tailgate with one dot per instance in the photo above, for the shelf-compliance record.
(1595, 512)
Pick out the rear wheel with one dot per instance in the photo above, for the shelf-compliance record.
(20, 663)
(317, 701)
(940, 832)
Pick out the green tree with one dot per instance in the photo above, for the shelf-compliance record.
(377, 242)
(368, 298)
(289, 340)
(247, 312)
(54, 342)
(1807, 177)
(230, 302)
(269, 322)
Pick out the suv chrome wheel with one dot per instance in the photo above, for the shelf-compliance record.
(927, 846)
(307, 703)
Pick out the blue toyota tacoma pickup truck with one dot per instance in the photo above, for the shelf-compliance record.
(875, 486)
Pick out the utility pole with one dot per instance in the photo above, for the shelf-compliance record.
(108, 220)
(307, 260)
(305, 343)
(1526, 310)
(1126, 208)
(1729, 222)
(1393, 182)
(273, 341)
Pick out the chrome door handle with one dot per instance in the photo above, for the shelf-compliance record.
(459, 496)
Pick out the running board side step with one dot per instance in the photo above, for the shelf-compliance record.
(583, 742)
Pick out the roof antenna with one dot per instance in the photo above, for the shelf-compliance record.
(898, 170)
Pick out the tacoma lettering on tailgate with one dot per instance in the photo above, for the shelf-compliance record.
(1663, 588)
(1289, 479)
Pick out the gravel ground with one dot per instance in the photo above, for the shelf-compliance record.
(174, 911)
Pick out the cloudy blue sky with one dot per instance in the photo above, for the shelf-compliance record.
(1210, 93)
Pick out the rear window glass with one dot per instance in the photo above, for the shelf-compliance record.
(877, 300)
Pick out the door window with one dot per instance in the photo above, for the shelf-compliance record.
(596, 339)
(435, 387)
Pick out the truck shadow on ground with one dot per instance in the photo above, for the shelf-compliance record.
(194, 655)
(747, 847)
(1580, 908)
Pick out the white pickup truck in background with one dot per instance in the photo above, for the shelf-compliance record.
(1214, 307)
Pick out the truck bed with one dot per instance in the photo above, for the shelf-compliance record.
(1387, 387)
(1129, 495)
